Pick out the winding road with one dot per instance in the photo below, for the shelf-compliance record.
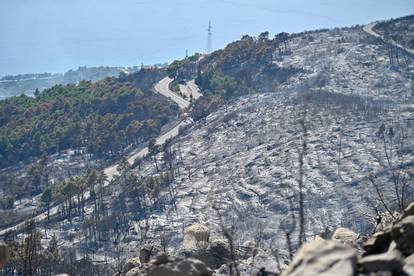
(111, 172)
(162, 87)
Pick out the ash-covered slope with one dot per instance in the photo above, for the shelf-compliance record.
(244, 157)
(242, 162)
(348, 61)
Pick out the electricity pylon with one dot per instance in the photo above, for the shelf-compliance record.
(209, 38)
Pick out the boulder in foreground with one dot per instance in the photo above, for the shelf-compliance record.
(162, 265)
(403, 234)
(323, 257)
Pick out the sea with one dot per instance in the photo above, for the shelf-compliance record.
(57, 35)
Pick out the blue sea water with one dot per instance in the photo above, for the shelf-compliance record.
(57, 35)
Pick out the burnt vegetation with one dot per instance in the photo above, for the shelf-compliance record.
(276, 168)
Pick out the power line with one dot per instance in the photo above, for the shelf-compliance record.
(209, 39)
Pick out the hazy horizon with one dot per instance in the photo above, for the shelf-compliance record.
(55, 36)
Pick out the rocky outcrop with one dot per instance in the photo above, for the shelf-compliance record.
(200, 244)
(409, 265)
(323, 257)
(377, 243)
(403, 234)
(130, 264)
(388, 252)
(162, 265)
(390, 261)
(198, 253)
(178, 267)
(4, 254)
(409, 211)
(345, 236)
(134, 272)
(148, 251)
(195, 236)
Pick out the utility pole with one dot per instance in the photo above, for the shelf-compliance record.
(209, 38)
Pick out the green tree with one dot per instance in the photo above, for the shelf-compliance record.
(105, 117)
(173, 69)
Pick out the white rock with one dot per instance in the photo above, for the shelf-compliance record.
(323, 258)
